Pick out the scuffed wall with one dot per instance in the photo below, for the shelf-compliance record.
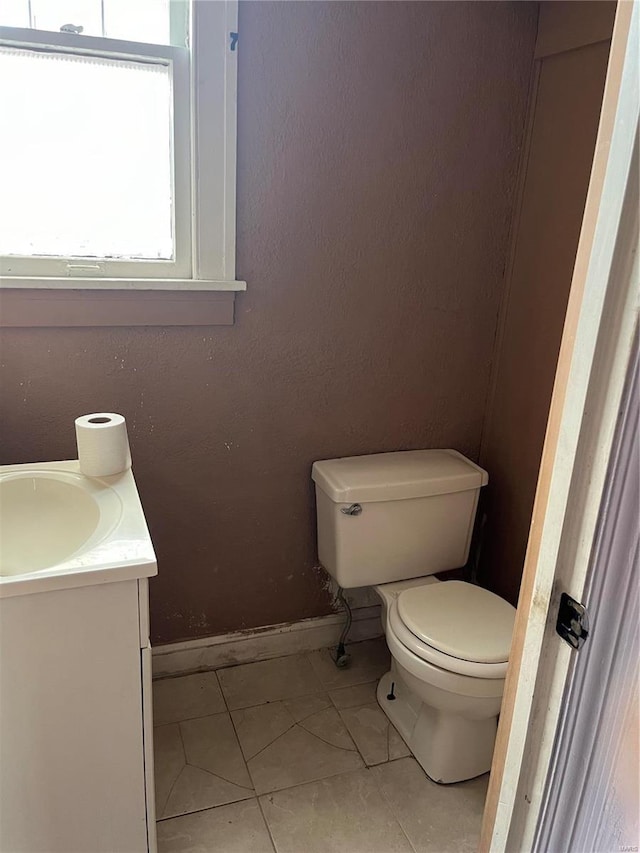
(565, 116)
(377, 151)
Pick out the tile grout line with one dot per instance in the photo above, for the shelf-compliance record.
(184, 756)
(266, 823)
(260, 751)
(345, 724)
(208, 669)
(328, 743)
(367, 678)
(228, 710)
(157, 725)
(332, 707)
(223, 778)
(289, 787)
(224, 698)
(388, 739)
(207, 809)
(311, 781)
(386, 800)
(298, 723)
(204, 770)
(166, 802)
(303, 655)
(284, 699)
(169, 794)
(190, 719)
(324, 688)
(257, 796)
(235, 732)
(246, 760)
(313, 713)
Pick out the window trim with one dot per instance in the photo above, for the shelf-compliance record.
(214, 88)
(204, 92)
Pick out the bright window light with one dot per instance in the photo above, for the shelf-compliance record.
(14, 13)
(137, 20)
(85, 156)
(131, 20)
(87, 14)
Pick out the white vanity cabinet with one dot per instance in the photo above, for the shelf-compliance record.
(76, 731)
(76, 760)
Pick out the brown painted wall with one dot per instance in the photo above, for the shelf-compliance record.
(566, 110)
(377, 155)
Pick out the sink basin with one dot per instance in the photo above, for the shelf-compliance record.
(57, 524)
(47, 517)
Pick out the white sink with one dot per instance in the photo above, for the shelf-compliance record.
(58, 526)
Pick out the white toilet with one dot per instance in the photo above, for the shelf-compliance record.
(392, 520)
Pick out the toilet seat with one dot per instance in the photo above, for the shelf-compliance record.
(456, 626)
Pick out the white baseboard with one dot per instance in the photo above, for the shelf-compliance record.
(264, 643)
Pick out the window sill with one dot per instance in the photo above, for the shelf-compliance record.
(93, 283)
(77, 302)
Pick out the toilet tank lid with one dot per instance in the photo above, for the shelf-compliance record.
(397, 476)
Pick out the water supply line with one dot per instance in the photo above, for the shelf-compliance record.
(342, 657)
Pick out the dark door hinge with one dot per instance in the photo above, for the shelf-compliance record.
(234, 41)
(573, 621)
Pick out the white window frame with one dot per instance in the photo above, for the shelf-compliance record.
(204, 86)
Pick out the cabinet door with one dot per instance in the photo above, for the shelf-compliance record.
(71, 735)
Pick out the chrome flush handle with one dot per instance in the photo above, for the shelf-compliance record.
(354, 509)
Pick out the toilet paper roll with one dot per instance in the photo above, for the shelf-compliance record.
(103, 446)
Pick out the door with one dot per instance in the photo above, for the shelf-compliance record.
(592, 795)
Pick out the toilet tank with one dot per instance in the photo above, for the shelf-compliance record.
(392, 516)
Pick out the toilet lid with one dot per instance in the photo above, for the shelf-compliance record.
(459, 619)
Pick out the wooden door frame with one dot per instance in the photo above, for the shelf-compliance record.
(596, 347)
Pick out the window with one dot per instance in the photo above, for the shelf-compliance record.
(91, 187)
(105, 106)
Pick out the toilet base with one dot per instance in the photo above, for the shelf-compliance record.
(449, 748)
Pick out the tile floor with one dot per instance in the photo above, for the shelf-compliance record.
(293, 755)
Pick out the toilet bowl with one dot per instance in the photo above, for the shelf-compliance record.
(445, 707)
(392, 521)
